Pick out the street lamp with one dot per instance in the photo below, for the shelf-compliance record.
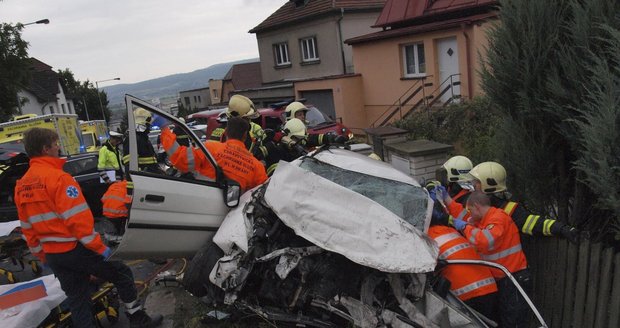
(42, 21)
(99, 96)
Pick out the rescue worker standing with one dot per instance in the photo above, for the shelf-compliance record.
(110, 158)
(472, 284)
(298, 110)
(288, 147)
(243, 107)
(453, 174)
(58, 227)
(147, 158)
(236, 161)
(496, 238)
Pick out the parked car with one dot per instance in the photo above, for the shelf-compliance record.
(332, 239)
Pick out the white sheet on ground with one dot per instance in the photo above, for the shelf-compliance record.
(345, 222)
(31, 314)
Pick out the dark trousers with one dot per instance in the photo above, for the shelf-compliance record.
(514, 312)
(73, 270)
(485, 304)
(119, 225)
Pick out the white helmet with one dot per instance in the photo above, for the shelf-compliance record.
(454, 169)
(295, 127)
(492, 177)
(293, 108)
(241, 106)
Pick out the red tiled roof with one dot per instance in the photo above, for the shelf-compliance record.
(245, 76)
(400, 11)
(423, 28)
(314, 8)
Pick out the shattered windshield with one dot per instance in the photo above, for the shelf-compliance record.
(407, 201)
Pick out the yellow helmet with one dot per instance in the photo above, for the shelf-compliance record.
(241, 106)
(295, 127)
(293, 108)
(375, 157)
(457, 168)
(142, 118)
(492, 177)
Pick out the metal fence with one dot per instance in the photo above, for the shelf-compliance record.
(575, 285)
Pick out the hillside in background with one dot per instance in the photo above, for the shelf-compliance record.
(170, 85)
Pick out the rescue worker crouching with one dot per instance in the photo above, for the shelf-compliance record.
(59, 230)
(496, 238)
(110, 158)
(236, 161)
(116, 202)
(472, 284)
(147, 158)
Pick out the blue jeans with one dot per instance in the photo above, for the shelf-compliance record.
(74, 268)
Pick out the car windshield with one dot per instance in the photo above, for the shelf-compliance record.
(316, 117)
(407, 201)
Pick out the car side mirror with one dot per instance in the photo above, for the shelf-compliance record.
(232, 193)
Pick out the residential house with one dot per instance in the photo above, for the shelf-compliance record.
(240, 78)
(45, 93)
(428, 53)
(196, 99)
(304, 39)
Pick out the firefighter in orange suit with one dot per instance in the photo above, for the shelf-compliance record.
(59, 230)
(236, 161)
(496, 238)
(472, 284)
(115, 204)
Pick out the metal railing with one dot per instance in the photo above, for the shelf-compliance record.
(397, 107)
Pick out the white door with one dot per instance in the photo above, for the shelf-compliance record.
(448, 58)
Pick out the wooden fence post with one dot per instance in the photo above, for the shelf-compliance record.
(604, 288)
(580, 286)
(614, 306)
(569, 291)
(560, 282)
(592, 285)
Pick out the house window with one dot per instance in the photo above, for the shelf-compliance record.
(281, 54)
(64, 111)
(215, 94)
(195, 100)
(414, 60)
(70, 108)
(186, 101)
(199, 99)
(308, 49)
(51, 109)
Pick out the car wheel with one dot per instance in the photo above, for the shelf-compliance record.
(196, 277)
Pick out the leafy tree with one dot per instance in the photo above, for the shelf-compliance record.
(85, 97)
(552, 72)
(14, 72)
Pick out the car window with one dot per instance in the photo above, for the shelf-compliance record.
(316, 117)
(88, 140)
(407, 201)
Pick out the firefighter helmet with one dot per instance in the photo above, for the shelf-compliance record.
(241, 106)
(293, 108)
(375, 157)
(295, 127)
(142, 119)
(492, 177)
(454, 169)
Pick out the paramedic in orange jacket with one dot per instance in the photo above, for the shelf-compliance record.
(472, 284)
(496, 238)
(236, 161)
(59, 230)
(115, 204)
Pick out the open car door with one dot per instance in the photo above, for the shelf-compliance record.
(172, 214)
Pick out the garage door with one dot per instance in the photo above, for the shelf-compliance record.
(321, 99)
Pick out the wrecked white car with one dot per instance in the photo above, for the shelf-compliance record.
(332, 239)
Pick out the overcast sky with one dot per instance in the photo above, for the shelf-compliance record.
(138, 40)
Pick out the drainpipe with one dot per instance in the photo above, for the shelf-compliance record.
(468, 60)
(344, 63)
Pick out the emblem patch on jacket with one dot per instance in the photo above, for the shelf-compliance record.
(72, 192)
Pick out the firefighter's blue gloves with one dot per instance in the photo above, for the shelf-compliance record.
(433, 195)
(459, 224)
(107, 253)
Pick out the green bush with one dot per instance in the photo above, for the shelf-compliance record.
(470, 126)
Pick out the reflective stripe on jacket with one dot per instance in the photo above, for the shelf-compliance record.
(496, 239)
(528, 223)
(116, 200)
(467, 281)
(52, 210)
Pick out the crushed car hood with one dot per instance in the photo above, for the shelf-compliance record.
(345, 222)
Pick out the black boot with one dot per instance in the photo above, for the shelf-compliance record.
(140, 319)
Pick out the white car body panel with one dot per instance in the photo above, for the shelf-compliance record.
(342, 221)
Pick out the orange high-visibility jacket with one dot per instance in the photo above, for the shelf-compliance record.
(236, 161)
(53, 213)
(456, 209)
(496, 238)
(467, 281)
(115, 200)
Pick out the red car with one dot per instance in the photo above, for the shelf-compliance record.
(274, 118)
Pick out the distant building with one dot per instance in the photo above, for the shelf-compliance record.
(45, 93)
(195, 99)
